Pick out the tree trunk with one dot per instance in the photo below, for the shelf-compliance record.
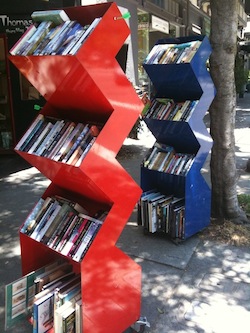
(222, 111)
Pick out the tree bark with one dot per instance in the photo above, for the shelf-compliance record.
(222, 111)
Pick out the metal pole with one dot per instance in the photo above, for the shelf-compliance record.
(187, 17)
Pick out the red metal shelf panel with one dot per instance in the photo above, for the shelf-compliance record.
(91, 87)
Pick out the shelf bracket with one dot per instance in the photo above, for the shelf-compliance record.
(140, 325)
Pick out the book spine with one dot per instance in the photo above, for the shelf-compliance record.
(49, 222)
(70, 141)
(40, 32)
(76, 143)
(79, 235)
(69, 323)
(34, 140)
(87, 239)
(64, 141)
(57, 42)
(43, 138)
(41, 46)
(31, 139)
(60, 139)
(81, 149)
(32, 215)
(78, 325)
(86, 150)
(27, 34)
(72, 32)
(52, 230)
(38, 139)
(148, 158)
(188, 115)
(54, 143)
(84, 36)
(48, 213)
(48, 40)
(36, 123)
(35, 319)
(66, 234)
(79, 226)
(61, 229)
(38, 217)
(78, 34)
(52, 135)
(40, 135)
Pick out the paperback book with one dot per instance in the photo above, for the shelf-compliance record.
(172, 53)
(19, 295)
(161, 212)
(56, 16)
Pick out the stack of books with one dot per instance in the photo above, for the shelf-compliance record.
(50, 296)
(53, 33)
(164, 158)
(172, 53)
(168, 109)
(63, 225)
(162, 213)
(60, 140)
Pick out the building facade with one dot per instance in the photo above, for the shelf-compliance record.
(18, 98)
(149, 21)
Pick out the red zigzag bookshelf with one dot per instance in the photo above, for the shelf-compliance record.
(91, 87)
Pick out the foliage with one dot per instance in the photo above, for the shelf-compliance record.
(244, 201)
(241, 74)
(135, 130)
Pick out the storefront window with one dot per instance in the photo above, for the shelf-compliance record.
(5, 110)
(174, 31)
(143, 44)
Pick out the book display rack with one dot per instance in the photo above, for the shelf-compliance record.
(86, 94)
(176, 198)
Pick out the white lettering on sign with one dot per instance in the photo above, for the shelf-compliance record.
(7, 22)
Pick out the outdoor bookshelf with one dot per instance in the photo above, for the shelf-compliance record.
(91, 88)
(183, 92)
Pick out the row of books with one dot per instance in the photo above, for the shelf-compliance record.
(168, 109)
(164, 158)
(53, 33)
(63, 226)
(162, 213)
(49, 296)
(172, 53)
(60, 140)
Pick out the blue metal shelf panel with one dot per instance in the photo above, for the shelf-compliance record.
(197, 202)
(187, 81)
(163, 182)
(177, 134)
(168, 81)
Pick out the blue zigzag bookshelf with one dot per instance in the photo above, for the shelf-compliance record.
(181, 81)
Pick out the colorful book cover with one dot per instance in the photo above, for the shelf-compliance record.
(56, 16)
(26, 35)
(19, 296)
(69, 320)
(43, 313)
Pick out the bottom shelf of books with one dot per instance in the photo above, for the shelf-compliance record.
(46, 296)
(162, 213)
(176, 197)
(52, 299)
(70, 276)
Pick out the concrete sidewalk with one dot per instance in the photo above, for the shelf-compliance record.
(198, 286)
